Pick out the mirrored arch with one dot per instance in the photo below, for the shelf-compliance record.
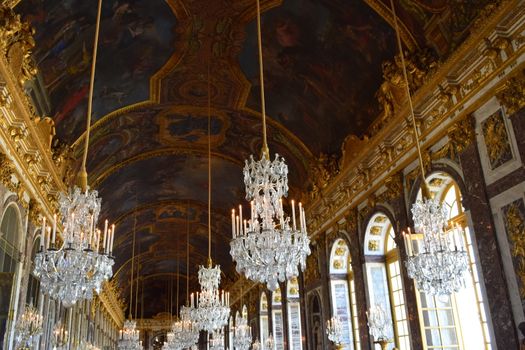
(342, 293)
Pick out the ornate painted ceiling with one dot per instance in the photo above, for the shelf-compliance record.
(148, 155)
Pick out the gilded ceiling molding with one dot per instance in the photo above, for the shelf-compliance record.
(26, 138)
(171, 151)
(154, 256)
(113, 302)
(10, 3)
(386, 13)
(475, 75)
(162, 203)
(110, 116)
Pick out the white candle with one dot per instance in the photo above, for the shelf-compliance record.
(300, 219)
(245, 226)
(105, 235)
(54, 228)
(293, 215)
(240, 216)
(237, 225)
(112, 237)
(233, 223)
(43, 233)
(48, 237)
(91, 224)
(252, 211)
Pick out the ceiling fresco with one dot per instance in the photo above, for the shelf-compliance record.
(136, 40)
(157, 58)
(322, 66)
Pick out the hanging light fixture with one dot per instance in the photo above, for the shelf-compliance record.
(28, 326)
(242, 332)
(439, 262)
(216, 341)
(212, 306)
(59, 337)
(269, 246)
(129, 335)
(334, 330)
(186, 329)
(82, 264)
(378, 323)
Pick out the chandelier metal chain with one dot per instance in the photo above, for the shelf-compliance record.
(82, 264)
(437, 263)
(210, 308)
(270, 246)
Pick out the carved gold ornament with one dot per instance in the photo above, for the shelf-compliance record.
(512, 95)
(16, 43)
(496, 139)
(515, 223)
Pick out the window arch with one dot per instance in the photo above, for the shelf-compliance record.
(9, 236)
(384, 281)
(459, 321)
(294, 314)
(342, 289)
(277, 320)
(263, 318)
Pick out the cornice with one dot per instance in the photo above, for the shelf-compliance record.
(473, 73)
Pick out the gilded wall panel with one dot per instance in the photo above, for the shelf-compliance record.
(514, 219)
(496, 140)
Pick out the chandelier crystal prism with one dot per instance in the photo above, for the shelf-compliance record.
(334, 330)
(129, 337)
(210, 307)
(439, 263)
(28, 326)
(82, 264)
(217, 340)
(242, 333)
(269, 247)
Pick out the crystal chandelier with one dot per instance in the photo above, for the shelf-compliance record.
(217, 340)
(378, 323)
(129, 337)
(27, 327)
(76, 269)
(438, 264)
(59, 337)
(334, 330)
(268, 248)
(188, 328)
(242, 333)
(210, 307)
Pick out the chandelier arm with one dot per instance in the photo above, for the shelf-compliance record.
(83, 171)
(424, 186)
(264, 151)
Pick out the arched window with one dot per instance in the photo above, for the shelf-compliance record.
(384, 281)
(9, 235)
(342, 288)
(277, 319)
(458, 321)
(263, 315)
(294, 314)
(33, 284)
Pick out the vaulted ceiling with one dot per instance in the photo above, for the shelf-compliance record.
(148, 154)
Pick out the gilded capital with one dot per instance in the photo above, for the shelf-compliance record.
(512, 94)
